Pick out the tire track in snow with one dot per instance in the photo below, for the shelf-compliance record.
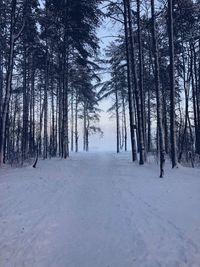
(146, 220)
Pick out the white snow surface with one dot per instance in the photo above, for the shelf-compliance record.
(99, 210)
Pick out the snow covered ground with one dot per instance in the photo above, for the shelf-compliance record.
(99, 210)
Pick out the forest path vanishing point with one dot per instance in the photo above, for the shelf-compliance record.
(99, 210)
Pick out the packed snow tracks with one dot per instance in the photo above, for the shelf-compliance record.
(99, 210)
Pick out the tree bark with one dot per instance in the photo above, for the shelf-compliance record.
(136, 88)
(130, 91)
(158, 92)
(172, 85)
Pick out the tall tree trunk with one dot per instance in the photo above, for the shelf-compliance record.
(194, 99)
(53, 131)
(60, 117)
(149, 142)
(125, 123)
(130, 91)
(84, 126)
(45, 144)
(196, 95)
(65, 83)
(165, 120)
(32, 108)
(117, 120)
(87, 133)
(172, 85)
(76, 123)
(135, 82)
(46, 87)
(158, 92)
(141, 74)
(25, 107)
(72, 120)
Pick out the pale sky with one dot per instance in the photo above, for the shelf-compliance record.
(107, 124)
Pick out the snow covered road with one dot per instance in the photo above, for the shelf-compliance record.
(99, 210)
